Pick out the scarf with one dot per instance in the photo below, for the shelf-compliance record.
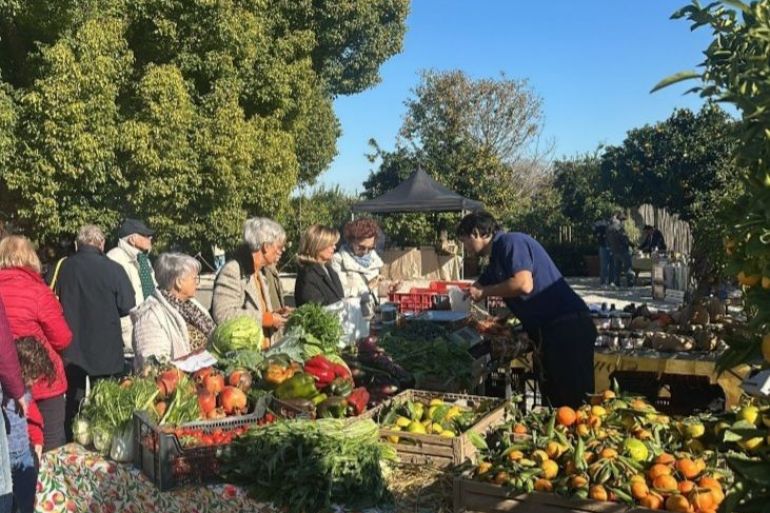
(363, 261)
(145, 274)
(199, 325)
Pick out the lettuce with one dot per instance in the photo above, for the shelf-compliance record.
(237, 334)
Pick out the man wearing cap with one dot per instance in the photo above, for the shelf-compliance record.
(135, 241)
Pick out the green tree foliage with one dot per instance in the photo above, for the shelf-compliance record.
(584, 200)
(684, 164)
(477, 137)
(193, 114)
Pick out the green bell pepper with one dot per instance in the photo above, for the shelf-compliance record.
(299, 386)
(333, 407)
(340, 387)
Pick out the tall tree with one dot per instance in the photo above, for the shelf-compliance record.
(192, 114)
(478, 137)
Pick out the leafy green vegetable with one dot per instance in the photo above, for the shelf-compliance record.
(322, 325)
(311, 465)
(424, 350)
(110, 405)
(237, 334)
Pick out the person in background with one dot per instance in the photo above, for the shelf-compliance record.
(11, 390)
(25, 460)
(652, 240)
(317, 281)
(554, 316)
(219, 257)
(171, 323)
(617, 239)
(33, 310)
(606, 266)
(240, 287)
(357, 263)
(95, 293)
(134, 243)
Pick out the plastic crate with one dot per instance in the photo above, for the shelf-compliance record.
(417, 300)
(444, 286)
(167, 464)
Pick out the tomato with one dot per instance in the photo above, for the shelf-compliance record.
(269, 417)
(207, 440)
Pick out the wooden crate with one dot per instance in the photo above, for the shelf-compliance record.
(477, 496)
(437, 450)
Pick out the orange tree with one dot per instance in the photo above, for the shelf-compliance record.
(736, 70)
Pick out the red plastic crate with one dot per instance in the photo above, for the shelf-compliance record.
(415, 301)
(443, 286)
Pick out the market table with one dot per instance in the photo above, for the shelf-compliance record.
(75, 479)
(682, 364)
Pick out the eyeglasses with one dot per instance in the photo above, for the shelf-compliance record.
(359, 249)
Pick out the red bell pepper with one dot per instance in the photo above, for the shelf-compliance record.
(358, 399)
(342, 372)
(322, 370)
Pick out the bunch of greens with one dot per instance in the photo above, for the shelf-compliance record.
(183, 406)
(425, 351)
(321, 329)
(111, 404)
(311, 465)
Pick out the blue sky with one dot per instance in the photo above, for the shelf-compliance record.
(592, 62)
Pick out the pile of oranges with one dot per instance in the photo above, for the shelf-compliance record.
(614, 449)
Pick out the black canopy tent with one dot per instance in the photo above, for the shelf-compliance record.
(419, 193)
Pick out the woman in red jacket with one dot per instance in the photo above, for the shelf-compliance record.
(33, 310)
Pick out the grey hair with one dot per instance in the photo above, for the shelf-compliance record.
(171, 266)
(90, 235)
(259, 231)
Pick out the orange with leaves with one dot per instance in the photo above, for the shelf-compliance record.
(566, 416)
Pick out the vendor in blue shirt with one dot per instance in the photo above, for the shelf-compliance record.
(555, 317)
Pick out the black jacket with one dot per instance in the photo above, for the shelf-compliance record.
(95, 293)
(315, 285)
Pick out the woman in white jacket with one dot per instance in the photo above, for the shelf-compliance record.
(171, 323)
(357, 262)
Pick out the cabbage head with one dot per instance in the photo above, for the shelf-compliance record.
(237, 334)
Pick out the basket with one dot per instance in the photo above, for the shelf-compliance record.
(437, 450)
(477, 496)
(162, 458)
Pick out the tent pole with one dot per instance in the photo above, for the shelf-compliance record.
(462, 252)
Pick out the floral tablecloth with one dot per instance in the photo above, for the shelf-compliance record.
(73, 479)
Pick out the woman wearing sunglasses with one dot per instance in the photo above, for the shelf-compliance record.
(357, 262)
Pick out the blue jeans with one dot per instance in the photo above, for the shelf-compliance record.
(24, 472)
(606, 267)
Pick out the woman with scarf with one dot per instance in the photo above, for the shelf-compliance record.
(358, 264)
(171, 323)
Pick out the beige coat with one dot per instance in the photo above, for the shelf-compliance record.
(159, 330)
(125, 255)
(236, 294)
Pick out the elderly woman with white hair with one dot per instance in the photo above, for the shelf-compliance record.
(171, 323)
(241, 287)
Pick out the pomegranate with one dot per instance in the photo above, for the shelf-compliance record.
(201, 374)
(167, 382)
(232, 400)
(214, 383)
(216, 413)
(240, 378)
(206, 401)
